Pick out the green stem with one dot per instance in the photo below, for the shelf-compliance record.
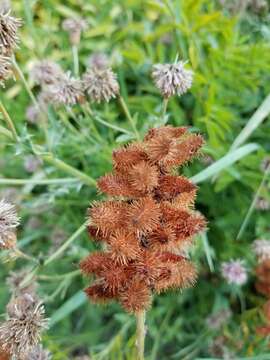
(37, 181)
(252, 206)
(61, 165)
(6, 132)
(129, 117)
(9, 122)
(75, 60)
(59, 277)
(27, 87)
(140, 334)
(66, 244)
(21, 254)
(164, 107)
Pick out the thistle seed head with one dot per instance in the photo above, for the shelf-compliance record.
(172, 79)
(234, 272)
(100, 84)
(9, 39)
(15, 280)
(74, 26)
(8, 222)
(98, 60)
(67, 91)
(22, 330)
(37, 353)
(46, 72)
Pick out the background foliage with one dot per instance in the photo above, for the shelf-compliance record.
(229, 53)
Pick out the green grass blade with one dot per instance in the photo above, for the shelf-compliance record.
(256, 119)
(223, 163)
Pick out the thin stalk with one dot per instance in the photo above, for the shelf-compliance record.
(37, 181)
(59, 277)
(252, 206)
(21, 254)
(88, 111)
(6, 132)
(75, 60)
(66, 244)
(22, 77)
(9, 122)
(164, 107)
(140, 334)
(129, 117)
(111, 126)
(61, 165)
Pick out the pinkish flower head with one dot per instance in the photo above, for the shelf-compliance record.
(234, 272)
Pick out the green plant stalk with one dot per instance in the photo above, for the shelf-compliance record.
(129, 117)
(252, 206)
(9, 122)
(6, 132)
(75, 60)
(21, 254)
(37, 181)
(59, 277)
(164, 107)
(140, 334)
(61, 165)
(66, 244)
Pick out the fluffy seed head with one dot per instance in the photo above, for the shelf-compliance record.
(100, 84)
(218, 319)
(234, 272)
(46, 72)
(5, 69)
(22, 330)
(9, 39)
(172, 79)
(14, 281)
(66, 91)
(261, 249)
(37, 353)
(74, 26)
(8, 222)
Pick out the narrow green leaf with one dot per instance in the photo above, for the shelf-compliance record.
(223, 163)
(68, 307)
(256, 119)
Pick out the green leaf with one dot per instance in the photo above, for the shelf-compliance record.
(256, 119)
(68, 307)
(223, 163)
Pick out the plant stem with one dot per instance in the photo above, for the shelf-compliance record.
(21, 254)
(129, 117)
(66, 244)
(75, 60)
(140, 334)
(61, 165)
(36, 181)
(6, 132)
(9, 122)
(164, 107)
(27, 88)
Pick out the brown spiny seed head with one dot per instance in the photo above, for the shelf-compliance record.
(4, 355)
(125, 158)
(96, 263)
(162, 238)
(191, 226)
(185, 200)
(98, 294)
(124, 246)
(115, 185)
(95, 233)
(143, 177)
(108, 215)
(116, 276)
(136, 296)
(143, 215)
(9, 39)
(167, 131)
(170, 186)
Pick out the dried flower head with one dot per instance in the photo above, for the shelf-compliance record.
(148, 225)
(4, 355)
(8, 222)
(9, 39)
(100, 84)
(74, 26)
(98, 60)
(5, 69)
(234, 272)
(261, 249)
(37, 353)
(66, 91)
(262, 204)
(22, 330)
(263, 278)
(46, 72)
(172, 79)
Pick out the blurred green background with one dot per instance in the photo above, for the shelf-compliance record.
(227, 45)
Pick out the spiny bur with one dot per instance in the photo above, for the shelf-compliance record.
(147, 222)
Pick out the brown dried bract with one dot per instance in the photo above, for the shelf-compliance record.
(147, 222)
